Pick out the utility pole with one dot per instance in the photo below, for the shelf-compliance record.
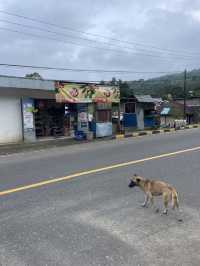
(119, 118)
(184, 91)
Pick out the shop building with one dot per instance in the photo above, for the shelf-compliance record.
(92, 106)
(28, 109)
(139, 112)
(33, 109)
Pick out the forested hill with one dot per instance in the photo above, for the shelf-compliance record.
(168, 85)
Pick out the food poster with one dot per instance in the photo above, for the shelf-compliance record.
(82, 117)
(86, 93)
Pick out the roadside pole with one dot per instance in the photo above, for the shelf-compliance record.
(184, 89)
(119, 120)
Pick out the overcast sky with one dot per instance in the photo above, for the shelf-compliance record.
(173, 25)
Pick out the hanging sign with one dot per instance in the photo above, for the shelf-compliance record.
(86, 93)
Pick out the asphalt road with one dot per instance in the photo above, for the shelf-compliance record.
(94, 218)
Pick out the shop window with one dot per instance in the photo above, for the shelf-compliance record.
(129, 107)
(103, 116)
(149, 112)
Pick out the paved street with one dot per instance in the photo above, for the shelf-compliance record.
(94, 218)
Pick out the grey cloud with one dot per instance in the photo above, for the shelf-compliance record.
(167, 24)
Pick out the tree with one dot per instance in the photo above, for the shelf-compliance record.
(125, 90)
(113, 81)
(33, 75)
(102, 82)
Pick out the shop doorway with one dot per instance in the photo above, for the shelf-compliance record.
(50, 118)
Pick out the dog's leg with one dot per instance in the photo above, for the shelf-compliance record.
(175, 203)
(152, 202)
(151, 199)
(165, 201)
(144, 204)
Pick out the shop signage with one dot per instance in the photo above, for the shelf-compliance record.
(103, 129)
(27, 113)
(82, 109)
(28, 119)
(86, 93)
(83, 117)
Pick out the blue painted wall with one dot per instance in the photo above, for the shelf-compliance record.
(149, 121)
(129, 120)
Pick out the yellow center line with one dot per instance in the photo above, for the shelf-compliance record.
(93, 171)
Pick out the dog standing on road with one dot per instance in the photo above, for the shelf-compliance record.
(153, 188)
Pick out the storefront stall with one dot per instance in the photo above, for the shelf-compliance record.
(49, 118)
(103, 119)
(93, 104)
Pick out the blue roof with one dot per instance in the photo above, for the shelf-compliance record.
(165, 111)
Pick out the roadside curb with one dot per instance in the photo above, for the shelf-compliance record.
(153, 132)
(24, 147)
(43, 145)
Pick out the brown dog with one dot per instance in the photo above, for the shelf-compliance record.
(153, 188)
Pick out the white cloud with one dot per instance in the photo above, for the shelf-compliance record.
(195, 15)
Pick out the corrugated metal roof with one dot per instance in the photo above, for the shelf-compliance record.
(144, 98)
(157, 100)
(26, 83)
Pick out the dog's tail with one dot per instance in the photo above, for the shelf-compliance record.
(175, 201)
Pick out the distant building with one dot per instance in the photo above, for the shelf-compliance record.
(139, 112)
(192, 108)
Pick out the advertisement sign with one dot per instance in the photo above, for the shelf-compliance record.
(86, 93)
(28, 119)
(82, 116)
(27, 105)
(103, 129)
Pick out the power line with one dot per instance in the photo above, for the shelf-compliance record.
(82, 38)
(61, 34)
(90, 46)
(86, 70)
(69, 81)
(146, 82)
(63, 41)
(92, 34)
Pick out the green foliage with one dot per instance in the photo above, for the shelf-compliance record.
(33, 75)
(168, 85)
(125, 90)
(102, 82)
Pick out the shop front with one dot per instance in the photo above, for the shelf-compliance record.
(49, 118)
(103, 119)
(92, 104)
(44, 118)
(18, 101)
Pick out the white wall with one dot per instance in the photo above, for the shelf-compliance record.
(140, 117)
(10, 120)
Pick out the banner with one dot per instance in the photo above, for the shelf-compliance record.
(28, 119)
(103, 129)
(27, 105)
(86, 93)
(82, 117)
